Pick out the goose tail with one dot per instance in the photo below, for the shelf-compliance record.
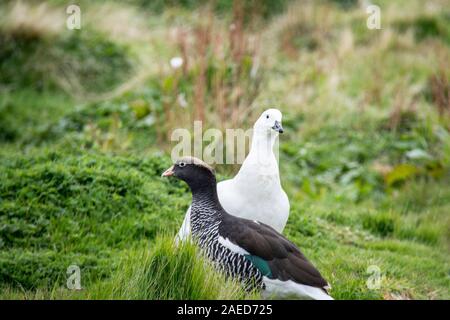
(288, 289)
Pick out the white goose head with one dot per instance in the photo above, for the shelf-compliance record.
(269, 122)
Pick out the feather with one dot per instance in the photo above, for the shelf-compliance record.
(255, 193)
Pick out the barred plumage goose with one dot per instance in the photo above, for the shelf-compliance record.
(250, 251)
(255, 193)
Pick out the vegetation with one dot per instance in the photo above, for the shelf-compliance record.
(86, 117)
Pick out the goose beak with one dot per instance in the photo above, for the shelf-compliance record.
(169, 172)
(277, 127)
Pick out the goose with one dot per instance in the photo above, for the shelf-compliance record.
(250, 251)
(255, 193)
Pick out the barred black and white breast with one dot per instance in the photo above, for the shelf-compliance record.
(206, 233)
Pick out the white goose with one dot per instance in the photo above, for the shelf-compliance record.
(255, 193)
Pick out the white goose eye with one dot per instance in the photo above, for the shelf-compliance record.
(267, 117)
(182, 164)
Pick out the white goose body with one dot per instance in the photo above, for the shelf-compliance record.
(255, 193)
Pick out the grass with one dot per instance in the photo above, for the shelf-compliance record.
(160, 271)
(364, 159)
(104, 213)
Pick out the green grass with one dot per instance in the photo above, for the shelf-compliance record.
(161, 270)
(105, 212)
(79, 63)
(365, 158)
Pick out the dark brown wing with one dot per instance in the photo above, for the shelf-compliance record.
(285, 260)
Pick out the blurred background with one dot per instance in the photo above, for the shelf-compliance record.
(86, 117)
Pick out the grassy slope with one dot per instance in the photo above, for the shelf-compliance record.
(92, 210)
(71, 195)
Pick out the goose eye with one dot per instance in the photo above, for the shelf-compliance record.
(267, 117)
(182, 164)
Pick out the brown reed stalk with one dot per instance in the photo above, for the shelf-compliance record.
(183, 47)
(202, 40)
(440, 92)
(216, 62)
(237, 49)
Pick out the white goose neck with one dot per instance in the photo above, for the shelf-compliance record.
(263, 137)
(261, 156)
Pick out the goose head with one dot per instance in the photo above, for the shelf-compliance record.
(269, 121)
(196, 173)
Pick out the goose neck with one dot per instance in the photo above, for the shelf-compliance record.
(263, 140)
(205, 203)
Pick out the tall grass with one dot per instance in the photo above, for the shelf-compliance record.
(164, 271)
(167, 271)
(221, 73)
